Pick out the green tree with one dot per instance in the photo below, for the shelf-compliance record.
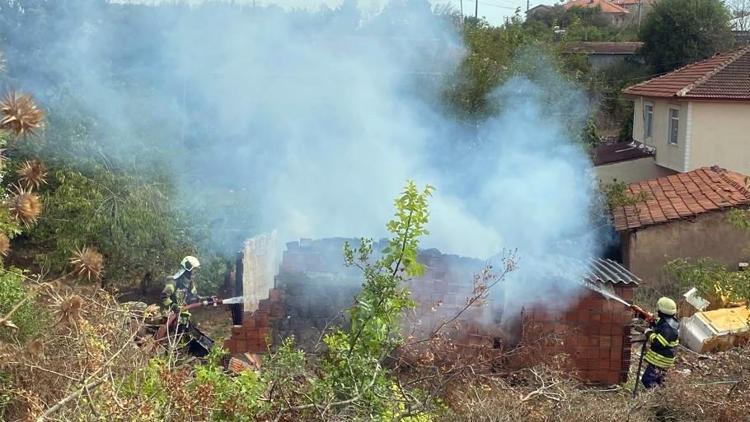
(353, 367)
(678, 32)
(129, 220)
(497, 53)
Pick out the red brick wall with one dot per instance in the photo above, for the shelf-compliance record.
(255, 334)
(595, 334)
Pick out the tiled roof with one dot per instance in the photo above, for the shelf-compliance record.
(724, 76)
(605, 5)
(682, 195)
(617, 152)
(603, 47)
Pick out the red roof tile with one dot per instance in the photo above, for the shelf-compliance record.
(682, 195)
(723, 76)
(605, 5)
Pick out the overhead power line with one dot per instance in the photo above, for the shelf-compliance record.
(498, 6)
(499, 2)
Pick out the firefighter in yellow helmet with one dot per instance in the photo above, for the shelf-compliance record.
(181, 288)
(662, 340)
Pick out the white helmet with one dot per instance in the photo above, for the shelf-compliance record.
(190, 262)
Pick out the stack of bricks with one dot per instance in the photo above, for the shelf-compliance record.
(594, 334)
(255, 334)
(442, 292)
(479, 344)
(318, 287)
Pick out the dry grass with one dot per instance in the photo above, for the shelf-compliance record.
(90, 343)
(700, 388)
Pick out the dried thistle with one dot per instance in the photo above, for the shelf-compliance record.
(69, 309)
(87, 263)
(32, 174)
(35, 347)
(20, 115)
(4, 244)
(25, 206)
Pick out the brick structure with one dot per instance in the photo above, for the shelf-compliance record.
(685, 215)
(256, 268)
(594, 333)
(313, 288)
(255, 333)
(318, 288)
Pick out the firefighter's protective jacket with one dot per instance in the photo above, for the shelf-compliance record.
(662, 342)
(179, 290)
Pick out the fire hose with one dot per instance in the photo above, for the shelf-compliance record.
(212, 301)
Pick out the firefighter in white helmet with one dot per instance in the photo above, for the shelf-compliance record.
(181, 288)
(662, 340)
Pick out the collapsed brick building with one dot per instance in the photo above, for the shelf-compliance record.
(312, 288)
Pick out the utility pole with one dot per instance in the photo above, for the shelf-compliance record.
(476, 9)
(462, 11)
(527, 8)
(640, 2)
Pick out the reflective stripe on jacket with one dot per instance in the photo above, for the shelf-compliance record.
(180, 291)
(662, 342)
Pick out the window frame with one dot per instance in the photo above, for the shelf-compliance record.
(648, 120)
(676, 121)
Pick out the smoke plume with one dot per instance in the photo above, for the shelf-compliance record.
(311, 121)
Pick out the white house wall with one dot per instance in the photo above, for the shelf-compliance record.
(667, 155)
(720, 136)
(630, 171)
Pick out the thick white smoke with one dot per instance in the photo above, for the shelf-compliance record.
(318, 119)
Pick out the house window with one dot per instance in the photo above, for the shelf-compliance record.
(648, 118)
(674, 125)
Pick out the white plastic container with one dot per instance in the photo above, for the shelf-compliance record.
(716, 330)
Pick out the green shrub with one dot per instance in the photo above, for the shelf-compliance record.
(236, 398)
(712, 279)
(129, 220)
(616, 194)
(28, 319)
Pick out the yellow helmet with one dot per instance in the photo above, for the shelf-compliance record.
(190, 262)
(666, 306)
